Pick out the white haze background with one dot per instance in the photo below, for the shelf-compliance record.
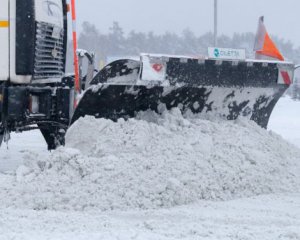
(159, 16)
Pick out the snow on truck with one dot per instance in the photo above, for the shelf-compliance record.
(36, 93)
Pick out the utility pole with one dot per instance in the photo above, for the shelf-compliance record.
(216, 24)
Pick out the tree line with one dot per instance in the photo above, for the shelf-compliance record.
(116, 43)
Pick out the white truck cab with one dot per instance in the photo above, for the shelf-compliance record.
(4, 40)
(32, 41)
(33, 36)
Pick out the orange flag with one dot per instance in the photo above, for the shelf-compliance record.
(264, 44)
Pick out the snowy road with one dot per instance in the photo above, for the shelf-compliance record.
(285, 120)
(13, 153)
(265, 217)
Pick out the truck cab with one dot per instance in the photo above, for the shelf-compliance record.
(33, 39)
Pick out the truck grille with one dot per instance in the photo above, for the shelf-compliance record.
(49, 52)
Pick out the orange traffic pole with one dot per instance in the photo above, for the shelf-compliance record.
(76, 66)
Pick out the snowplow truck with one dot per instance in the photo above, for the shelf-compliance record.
(35, 93)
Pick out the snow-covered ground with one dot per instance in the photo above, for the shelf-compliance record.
(13, 154)
(285, 120)
(164, 178)
(265, 217)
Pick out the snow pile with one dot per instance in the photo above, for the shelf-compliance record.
(154, 161)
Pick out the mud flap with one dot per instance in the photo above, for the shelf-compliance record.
(1, 137)
(53, 135)
(1, 113)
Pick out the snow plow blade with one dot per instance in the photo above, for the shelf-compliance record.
(227, 88)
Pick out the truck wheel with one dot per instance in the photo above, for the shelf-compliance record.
(1, 137)
(54, 136)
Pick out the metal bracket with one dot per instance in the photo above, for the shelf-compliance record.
(90, 56)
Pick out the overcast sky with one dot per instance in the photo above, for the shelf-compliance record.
(281, 16)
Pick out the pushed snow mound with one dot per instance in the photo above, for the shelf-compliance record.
(155, 161)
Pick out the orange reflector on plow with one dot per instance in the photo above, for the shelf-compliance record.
(285, 78)
(157, 67)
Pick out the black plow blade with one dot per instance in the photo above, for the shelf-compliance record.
(227, 89)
